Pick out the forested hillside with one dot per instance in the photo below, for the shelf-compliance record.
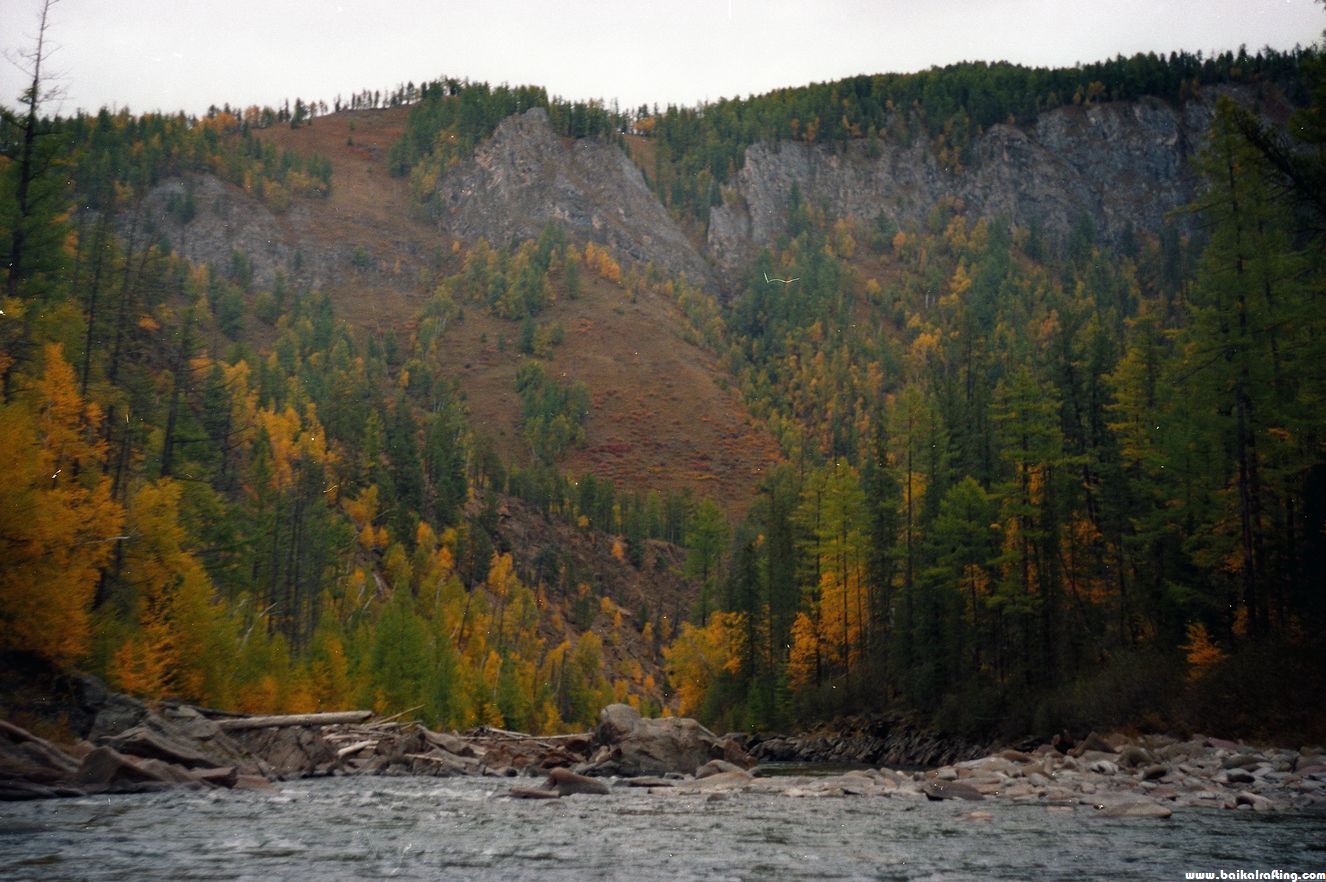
(1032, 487)
(1026, 480)
(221, 492)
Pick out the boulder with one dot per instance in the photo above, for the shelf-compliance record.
(1103, 767)
(1152, 772)
(105, 767)
(1242, 761)
(937, 790)
(1093, 741)
(171, 773)
(27, 758)
(297, 751)
(1258, 802)
(1238, 776)
(1133, 756)
(143, 741)
(91, 700)
(639, 746)
(452, 744)
(776, 750)
(567, 782)
(716, 766)
(616, 721)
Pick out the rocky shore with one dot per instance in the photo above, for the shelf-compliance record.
(129, 746)
(1112, 775)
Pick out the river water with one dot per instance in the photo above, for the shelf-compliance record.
(412, 828)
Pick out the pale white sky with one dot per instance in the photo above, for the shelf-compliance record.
(186, 54)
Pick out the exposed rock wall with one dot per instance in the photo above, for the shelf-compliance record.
(1123, 164)
(525, 175)
(228, 220)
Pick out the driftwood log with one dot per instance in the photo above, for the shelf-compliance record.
(279, 721)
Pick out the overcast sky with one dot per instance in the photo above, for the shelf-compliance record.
(187, 54)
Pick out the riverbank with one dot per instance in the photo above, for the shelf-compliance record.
(133, 747)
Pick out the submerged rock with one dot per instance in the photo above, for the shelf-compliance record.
(1141, 808)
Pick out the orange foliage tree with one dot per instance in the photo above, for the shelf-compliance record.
(58, 522)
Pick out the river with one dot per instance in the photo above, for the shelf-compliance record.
(461, 828)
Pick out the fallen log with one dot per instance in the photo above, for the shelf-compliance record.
(397, 716)
(354, 748)
(494, 734)
(281, 720)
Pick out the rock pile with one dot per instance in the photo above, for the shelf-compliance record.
(1111, 776)
(130, 747)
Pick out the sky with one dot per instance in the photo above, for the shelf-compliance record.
(185, 55)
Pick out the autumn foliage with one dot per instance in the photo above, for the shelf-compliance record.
(58, 522)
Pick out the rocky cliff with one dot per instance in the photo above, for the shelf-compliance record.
(227, 220)
(525, 175)
(1123, 165)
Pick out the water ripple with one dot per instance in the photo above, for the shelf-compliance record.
(465, 829)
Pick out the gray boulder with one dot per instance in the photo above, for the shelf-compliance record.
(937, 790)
(631, 745)
(567, 782)
(106, 769)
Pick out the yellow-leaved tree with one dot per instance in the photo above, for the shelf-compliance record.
(58, 522)
(700, 655)
(182, 644)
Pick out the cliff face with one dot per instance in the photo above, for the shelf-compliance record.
(524, 176)
(226, 220)
(1123, 165)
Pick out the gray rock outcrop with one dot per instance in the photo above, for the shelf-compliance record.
(525, 176)
(1123, 165)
